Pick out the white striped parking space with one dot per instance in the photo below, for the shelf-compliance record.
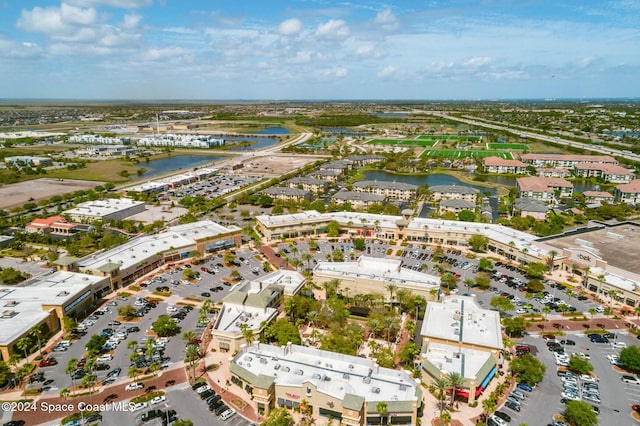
(632, 392)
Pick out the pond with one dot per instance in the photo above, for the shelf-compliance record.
(430, 180)
(578, 186)
(187, 162)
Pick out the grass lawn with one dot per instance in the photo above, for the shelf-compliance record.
(509, 146)
(455, 154)
(450, 137)
(105, 171)
(405, 142)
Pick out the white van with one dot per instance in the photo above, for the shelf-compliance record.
(227, 414)
(104, 358)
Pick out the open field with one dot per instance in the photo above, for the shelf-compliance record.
(17, 194)
(275, 164)
(455, 154)
(450, 137)
(405, 142)
(509, 146)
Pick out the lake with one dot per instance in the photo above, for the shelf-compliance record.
(273, 130)
(430, 180)
(257, 142)
(187, 162)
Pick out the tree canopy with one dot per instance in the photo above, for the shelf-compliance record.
(630, 358)
(165, 326)
(580, 413)
(528, 369)
(478, 242)
(278, 417)
(501, 304)
(580, 365)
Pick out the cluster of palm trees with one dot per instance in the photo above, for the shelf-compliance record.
(441, 386)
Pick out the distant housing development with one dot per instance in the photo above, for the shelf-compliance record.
(565, 161)
(394, 190)
(183, 141)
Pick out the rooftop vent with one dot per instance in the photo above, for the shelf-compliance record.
(11, 303)
(9, 314)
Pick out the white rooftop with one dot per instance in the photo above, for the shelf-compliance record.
(271, 220)
(101, 208)
(147, 246)
(460, 319)
(233, 315)
(332, 373)
(291, 281)
(21, 307)
(449, 359)
(380, 269)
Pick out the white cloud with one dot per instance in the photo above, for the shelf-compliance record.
(368, 51)
(477, 61)
(333, 30)
(335, 72)
(300, 58)
(131, 21)
(290, 27)
(386, 72)
(55, 21)
(124, 4)
(26, 50)
(387, 20)
(162, 53)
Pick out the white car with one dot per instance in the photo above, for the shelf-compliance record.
(587, 378)
(618, 345)
(613, 358)
(158, 399)
(137, 407)
(630, 379)
(202, 389)
(570, 395)
(172, 309)
(133, 386)
(583, 355)
(104, 358)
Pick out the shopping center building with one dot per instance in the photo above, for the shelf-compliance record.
(344, 388)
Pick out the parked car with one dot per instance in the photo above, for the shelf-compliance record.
(630, 379)
(134, 386)
(158, 399)
(513, 405)
(47, 362)
(524, 387)
(137, 407)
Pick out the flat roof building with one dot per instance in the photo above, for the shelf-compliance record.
(371, 274)
(459, 336)
(344, 387)
(45, 301)
(107, 209)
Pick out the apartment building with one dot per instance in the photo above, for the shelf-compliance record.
(501, 165)
(453, 192)
(565, 161)
(543, 189)
(610, 173)
(394, 190)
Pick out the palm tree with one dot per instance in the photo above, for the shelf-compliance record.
(489, 405)
(23, 344)
(64, 393)
(391, 288)
(71, 368)
(374, 326)
(550, 259)
(307, 257)
(389, 322)
(188, 335)
(312, 316)
(153, 368)
(192, 356)
(455, 381)
(382, 408)
(439, 387)
(247, 333)
(469, 282)
(446, 418)
(133, 373)
(36, 331)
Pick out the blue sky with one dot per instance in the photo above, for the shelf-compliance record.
(319, 49)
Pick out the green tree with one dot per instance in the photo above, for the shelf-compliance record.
(439, 388)
(24, 344)
(281, 331)
(467, 216)
(165, 326)
(514, 327)
(630, 358)
(183, 423)
(501, 304)
(94, 346)
(278, 417)
(71, 368)
(382, 409)
(536, 270)
(455, 381)
(408, 353)
(485, 265)
(127, 311)
(37, 332)
(580, 413)
(528, 369)
(333, 228)
(580, 365)
(478, 242)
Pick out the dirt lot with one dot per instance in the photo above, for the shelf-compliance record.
(275, 165)
(17, 194)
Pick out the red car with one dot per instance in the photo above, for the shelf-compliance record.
(636, 408)
(47, 362)
(548, 336)
(81, 363)
(523, 348)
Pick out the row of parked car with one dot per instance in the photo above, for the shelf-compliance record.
(213, 401)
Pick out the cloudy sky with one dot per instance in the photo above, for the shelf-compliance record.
(319, 49)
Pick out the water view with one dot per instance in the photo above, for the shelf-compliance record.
(511, 181)
(187, 162)
(257, 142)
(273, 130)
(430, 180)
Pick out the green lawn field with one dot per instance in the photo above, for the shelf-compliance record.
(450, 137)
(454, 154)
(404, 142)
(509, 146)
